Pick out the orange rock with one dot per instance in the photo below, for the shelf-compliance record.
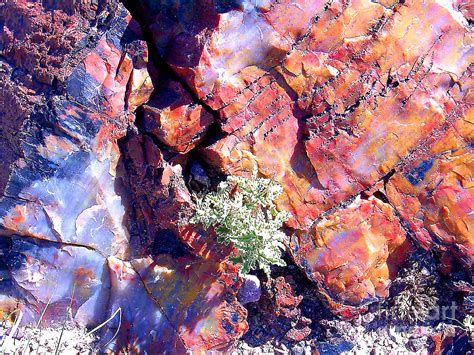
(354, 252)
(435, 194)
(173, 117)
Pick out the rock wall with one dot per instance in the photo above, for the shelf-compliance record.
(113, 114)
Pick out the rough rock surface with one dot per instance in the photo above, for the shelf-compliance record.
(63, 211)
(175, 119)
(250, 290)
(355, 251)
(361, 110)
(331, 99)
(279, 310)
(434, 194)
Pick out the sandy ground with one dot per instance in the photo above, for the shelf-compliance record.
(383, 340)
(27, 340)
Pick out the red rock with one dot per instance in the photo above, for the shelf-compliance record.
(162, 305)
(300, 330)
(285, 299)
(196, 297)
(81, 151)
(161, 200)
(330, 99)
(63, 211)
(325, 72)
(60, 209)
(38, 37)
(328, 103)
(354, 252)
(465, 7)
(451, 339)
(279, 311)
(434, 194)
(269, 132)
(40, 45)
(175, 119)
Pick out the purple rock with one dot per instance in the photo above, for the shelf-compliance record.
(250, 290)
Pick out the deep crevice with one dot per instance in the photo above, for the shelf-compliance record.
(161, 65)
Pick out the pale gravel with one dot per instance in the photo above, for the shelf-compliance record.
(385, 340)
(44, 340)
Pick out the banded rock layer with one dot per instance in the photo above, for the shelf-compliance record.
(338, 100)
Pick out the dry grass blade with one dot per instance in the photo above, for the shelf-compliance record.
(7, 317)
(69, 310)
(9, 337)
(39, 322)
(119, 311)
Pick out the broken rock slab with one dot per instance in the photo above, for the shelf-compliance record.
(353, 253)
(174, 118)
(434, 195)
(317, 100)
(64, 215)
(328, 99)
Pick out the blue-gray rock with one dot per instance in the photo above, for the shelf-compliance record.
(250, 290)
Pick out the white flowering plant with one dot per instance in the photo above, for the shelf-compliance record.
(242, 212)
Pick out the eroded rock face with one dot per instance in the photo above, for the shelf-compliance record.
(36, 44)
(69, 246)
(62, 189)
(197, 297)
(330, 99)
(175, 119)
(361, 110)
(279, 310)
(434, 194)
(61, 276)
(173, 304)
(354, 252)
(140, 313)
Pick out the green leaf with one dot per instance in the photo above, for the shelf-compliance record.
(247, 217)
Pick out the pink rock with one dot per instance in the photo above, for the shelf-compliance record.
(63, 214)
(434, 194)
(175, 119)
(353, 253)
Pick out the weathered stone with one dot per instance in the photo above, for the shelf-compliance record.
(60, 208)
(40, 45)
(144, 327)
(64, 213)
(196, 305)
(361, 110)
(347, 72)
(451, 339)
(434, 194)
(159, 194)
(268, 133)
(278, 313)
(250, 290)
(175, 119)
(162, 204)
(39, 37)
(72, 143)
(354, 252)
(328, 99)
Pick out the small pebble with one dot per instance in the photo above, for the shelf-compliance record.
(250, 290)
